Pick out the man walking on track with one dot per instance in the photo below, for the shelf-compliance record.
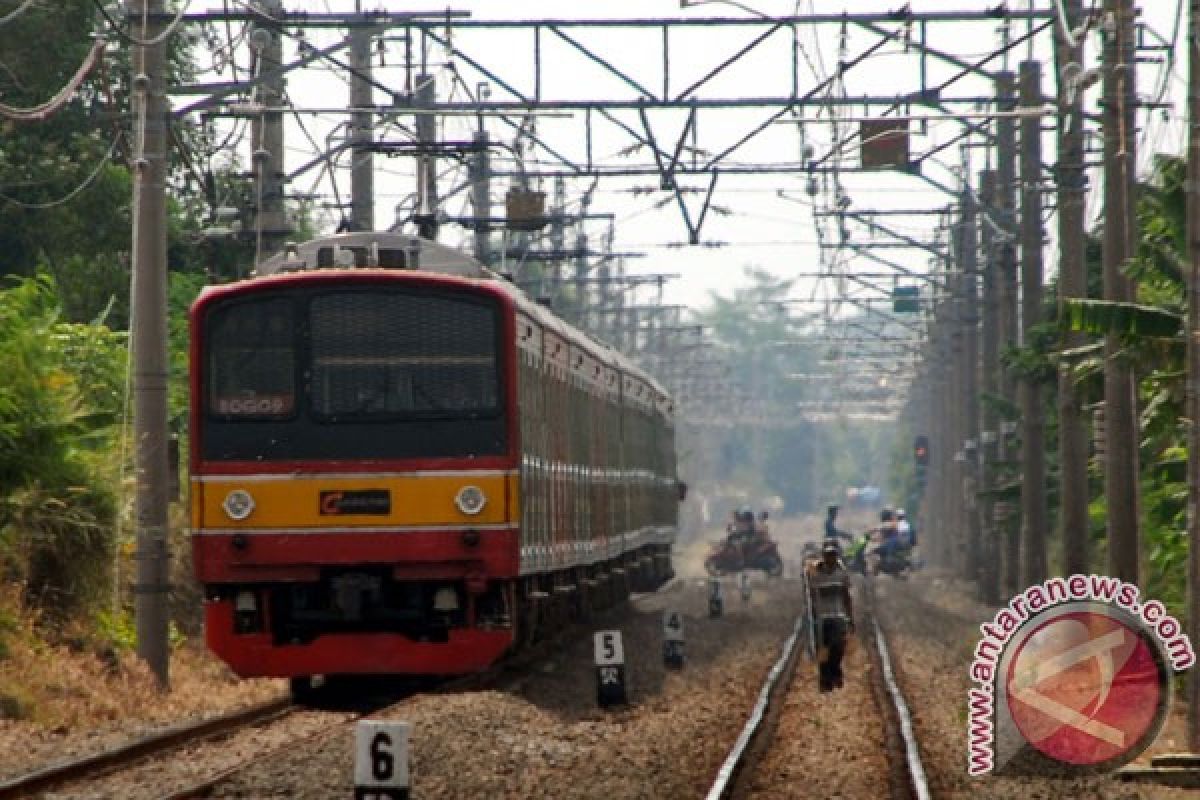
(833, 613)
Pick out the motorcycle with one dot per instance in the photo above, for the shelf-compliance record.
(868, 557)
(730, 555)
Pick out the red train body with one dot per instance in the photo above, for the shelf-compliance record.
(404, 471)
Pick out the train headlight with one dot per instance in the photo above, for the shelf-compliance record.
(470, 500)
(238, 504)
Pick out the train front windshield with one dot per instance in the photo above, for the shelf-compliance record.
(374, 373)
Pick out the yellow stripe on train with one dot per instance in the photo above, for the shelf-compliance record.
(352, 501)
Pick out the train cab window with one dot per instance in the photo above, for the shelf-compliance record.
(380, 355)
(252, 361)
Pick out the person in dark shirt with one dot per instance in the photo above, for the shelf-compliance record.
(831, 528)
(833, 613)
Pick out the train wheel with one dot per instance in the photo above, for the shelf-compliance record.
(304, 689)
(527, 616)
(583, 596)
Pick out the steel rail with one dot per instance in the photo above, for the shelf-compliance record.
(495, 677)
(722, 787)
(918, 783)
(170, 739)
(912, 754)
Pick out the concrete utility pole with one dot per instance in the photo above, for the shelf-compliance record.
(149, 337)
(362, 133)
(1193, 364)
(479, 170)
(989, 583)
(266, 136)
(1033, 426)
(969, 316)
(1006, 180)
(1072, 283)
(427, 188)
(1120, 234)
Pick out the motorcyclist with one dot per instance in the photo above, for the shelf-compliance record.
(831, 529)
(833, 613)
(905, 529)
(742, 529)
(888, 533)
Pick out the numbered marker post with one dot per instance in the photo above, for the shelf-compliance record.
(744, 585)
(716, 603)
(381, 760)
(610, 669)
(673, 639)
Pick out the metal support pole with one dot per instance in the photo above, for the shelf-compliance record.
(581, 268)
(1033, 426)
(1006, 179)
(480, 169)
(1120, 403)
(1072, 283)
(266, 135)
(427, 189)
(557, 237)
(362, 133)
(990, 373)
(969, 320)
(149, 338)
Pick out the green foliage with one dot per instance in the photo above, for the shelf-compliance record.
(1102, 317)
(58, 408)
(117, 628)
(768, 354)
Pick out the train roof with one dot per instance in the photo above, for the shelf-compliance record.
(387, 250)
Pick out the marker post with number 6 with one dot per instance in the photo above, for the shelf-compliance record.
(673, 639)
(381, 760)
(610, 669)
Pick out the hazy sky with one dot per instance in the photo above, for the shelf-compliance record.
(756, 225)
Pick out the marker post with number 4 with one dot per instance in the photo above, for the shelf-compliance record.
(381, 760)
(716, 603)
(610, 669)
(673, 639)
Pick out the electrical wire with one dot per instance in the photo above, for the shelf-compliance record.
(71, 195)
(63, 96)
(16, 12)
(159, 39)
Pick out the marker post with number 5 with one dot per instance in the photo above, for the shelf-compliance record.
(381, 760)
(673, 639)
(610, 669)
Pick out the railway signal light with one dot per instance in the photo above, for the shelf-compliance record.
(921, 451)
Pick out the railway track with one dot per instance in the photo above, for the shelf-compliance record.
(77, 774)
(153, 744)
(906, 773)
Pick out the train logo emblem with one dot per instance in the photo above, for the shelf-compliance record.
(365, 501)
(1087, 688)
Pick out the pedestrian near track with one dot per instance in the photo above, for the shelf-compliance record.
(833, 613)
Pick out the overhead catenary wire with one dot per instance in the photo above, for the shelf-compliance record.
(16, 12)
(63, 96)
(159, 39)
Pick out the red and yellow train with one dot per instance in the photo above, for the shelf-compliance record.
(402, 465)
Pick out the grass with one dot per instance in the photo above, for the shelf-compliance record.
(77, 682)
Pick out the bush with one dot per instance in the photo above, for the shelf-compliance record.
(59, 414)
